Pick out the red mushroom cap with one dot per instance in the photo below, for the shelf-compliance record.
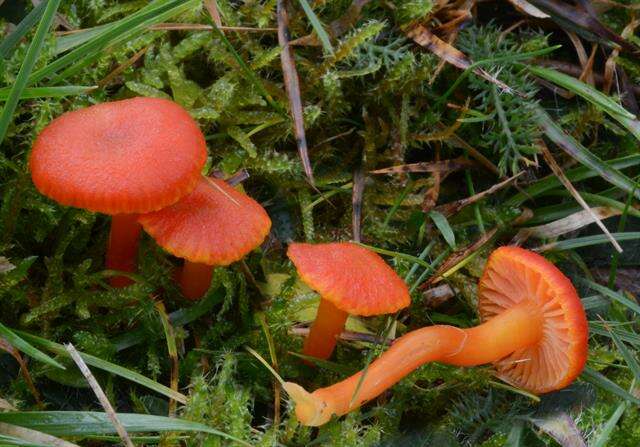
(354, 279)
(131, 156)
(214, 225)
(513, 274)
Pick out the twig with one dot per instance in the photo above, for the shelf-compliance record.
(347, 336)
(449, 209)
(122, 67)
(292, 87)
(356, 202)
(102, 397)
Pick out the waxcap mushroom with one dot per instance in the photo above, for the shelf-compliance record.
(131, 156)
(513, 274)
(120, 158)
(350, 280)
(355, 279)
(534, 331)
(215, 225)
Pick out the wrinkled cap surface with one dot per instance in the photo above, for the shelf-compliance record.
(214, 225)
(513, 274)
(353, 278)
(131, 156)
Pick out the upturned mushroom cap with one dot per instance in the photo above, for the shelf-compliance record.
(354, 279)
(131, 156)
(512, 275)
(215, 224)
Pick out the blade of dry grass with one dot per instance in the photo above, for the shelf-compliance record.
(102, 397)
(9, 349)
(528, 8)
(292, 87)
(565, 225)
(169, 335)
(557, 170)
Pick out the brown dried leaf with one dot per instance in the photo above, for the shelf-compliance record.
(567, 224)
(425, 38)
(583, 17)
(528, 8)
(212, 8)
(292, 87)
(431, 195)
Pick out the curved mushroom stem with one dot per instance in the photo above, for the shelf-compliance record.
(324, 332)
(195, 279)
(514, 329)
(122, 248)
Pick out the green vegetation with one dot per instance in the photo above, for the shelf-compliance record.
(375, 94)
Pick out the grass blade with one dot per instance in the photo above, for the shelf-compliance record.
(578, 87)
(9, 42)
(587, 241)
(593, 376)
(317, 26)
(109, 367)
(583, 155)
(48, 92)
(445, 229)
(16, 435)
(631, 305)
(117, 32)
(603, 438)
(575, 175)
(83, 423)
(27, 66)
(26, 348)
(628, 357)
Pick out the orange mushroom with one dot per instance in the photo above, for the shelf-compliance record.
(120, 158)
(534, 331)
(350, 280)
(215, 225)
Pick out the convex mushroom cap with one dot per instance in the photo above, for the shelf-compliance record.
(353, 278)
(214, 225)
(513, 275)
(131, 156)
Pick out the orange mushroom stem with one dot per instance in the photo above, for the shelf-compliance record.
(122, 248)
(215, 225)
(535, 333)
(328, 324)
(195, 279)
(351, 280)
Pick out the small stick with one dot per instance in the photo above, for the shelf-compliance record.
(347, 336)
(104, 401)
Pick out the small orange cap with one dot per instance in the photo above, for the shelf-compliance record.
(354, 279)
(131, 156)
(214, 225)
(513, 274)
